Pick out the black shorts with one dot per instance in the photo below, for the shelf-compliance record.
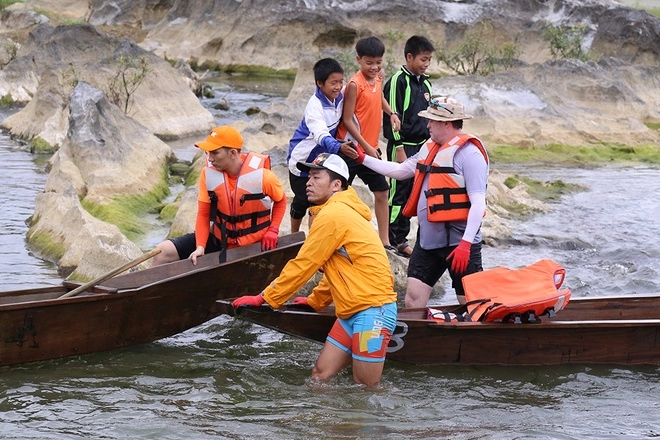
(374, 180)
(428, 265)
(299, 204)
(186, 245)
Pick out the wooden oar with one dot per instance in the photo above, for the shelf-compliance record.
(111, 274)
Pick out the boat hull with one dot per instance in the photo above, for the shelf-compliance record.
(134, 308)
(622, 330)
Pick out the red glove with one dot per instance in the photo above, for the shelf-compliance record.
(248, 300)
(460, 257)
(269, 240)
(360, 154)
(300, 300)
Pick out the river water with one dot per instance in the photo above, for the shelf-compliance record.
(232, 380)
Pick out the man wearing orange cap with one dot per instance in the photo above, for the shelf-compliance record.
(240, 201)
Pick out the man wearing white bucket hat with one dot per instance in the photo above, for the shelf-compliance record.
(448, 197)
(357, 275)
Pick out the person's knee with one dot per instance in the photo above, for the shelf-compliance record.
(168, 253)
(368, 373)
(318, 372)
(417, 293)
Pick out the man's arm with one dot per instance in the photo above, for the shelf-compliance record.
(318, 247)
(475, 172)
(272, 187)
(398, 171)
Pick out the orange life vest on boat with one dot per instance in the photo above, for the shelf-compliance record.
(447, 198)
(518, 295)
(242, 219)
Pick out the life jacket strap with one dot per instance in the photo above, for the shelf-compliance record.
(255, 227)
(469, 316)
(429, 168)
(446, 194)
(254, 216)
(246, 197)
(222, 246)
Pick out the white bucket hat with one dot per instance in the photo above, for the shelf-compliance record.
(443, 108)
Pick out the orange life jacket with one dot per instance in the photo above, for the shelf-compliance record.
(518, 295)
(447, 198)
(245, 220)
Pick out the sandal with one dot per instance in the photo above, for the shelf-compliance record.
(389, 247)
(404, 250)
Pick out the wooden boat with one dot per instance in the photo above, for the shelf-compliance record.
(607, 330)
(137, 307)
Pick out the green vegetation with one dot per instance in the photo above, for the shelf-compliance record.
(511, 182)
(568, 42)
(576, 155)
(347, 61)
(73, 21)
(168, 212)
(5, 3)
(127, 212)
(40, 146)
(392, 62)
(653, 125)
(192, 175)
(69, 77)
(42, 242)
(650, 10)
(478, 53)
(259, 71)
(6, 100)
(11, 48)
(129, 74)
(545, 191)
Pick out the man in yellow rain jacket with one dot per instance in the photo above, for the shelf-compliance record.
(357, 275)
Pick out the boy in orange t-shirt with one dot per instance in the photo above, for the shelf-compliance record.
(362, 118)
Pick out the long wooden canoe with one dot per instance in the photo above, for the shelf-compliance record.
(138, 307)
(607, 330)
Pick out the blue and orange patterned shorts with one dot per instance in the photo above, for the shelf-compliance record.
(366, 334)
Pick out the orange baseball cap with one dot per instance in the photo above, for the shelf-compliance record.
(223, 136)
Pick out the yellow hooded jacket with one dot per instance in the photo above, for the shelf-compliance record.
(357, 272)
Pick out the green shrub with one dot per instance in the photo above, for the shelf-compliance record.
(478, 53)
(129, 74)
(567, 41)
(392, 62)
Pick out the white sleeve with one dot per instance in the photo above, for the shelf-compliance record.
(475, 171)
(399, 171)
(475, 215)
